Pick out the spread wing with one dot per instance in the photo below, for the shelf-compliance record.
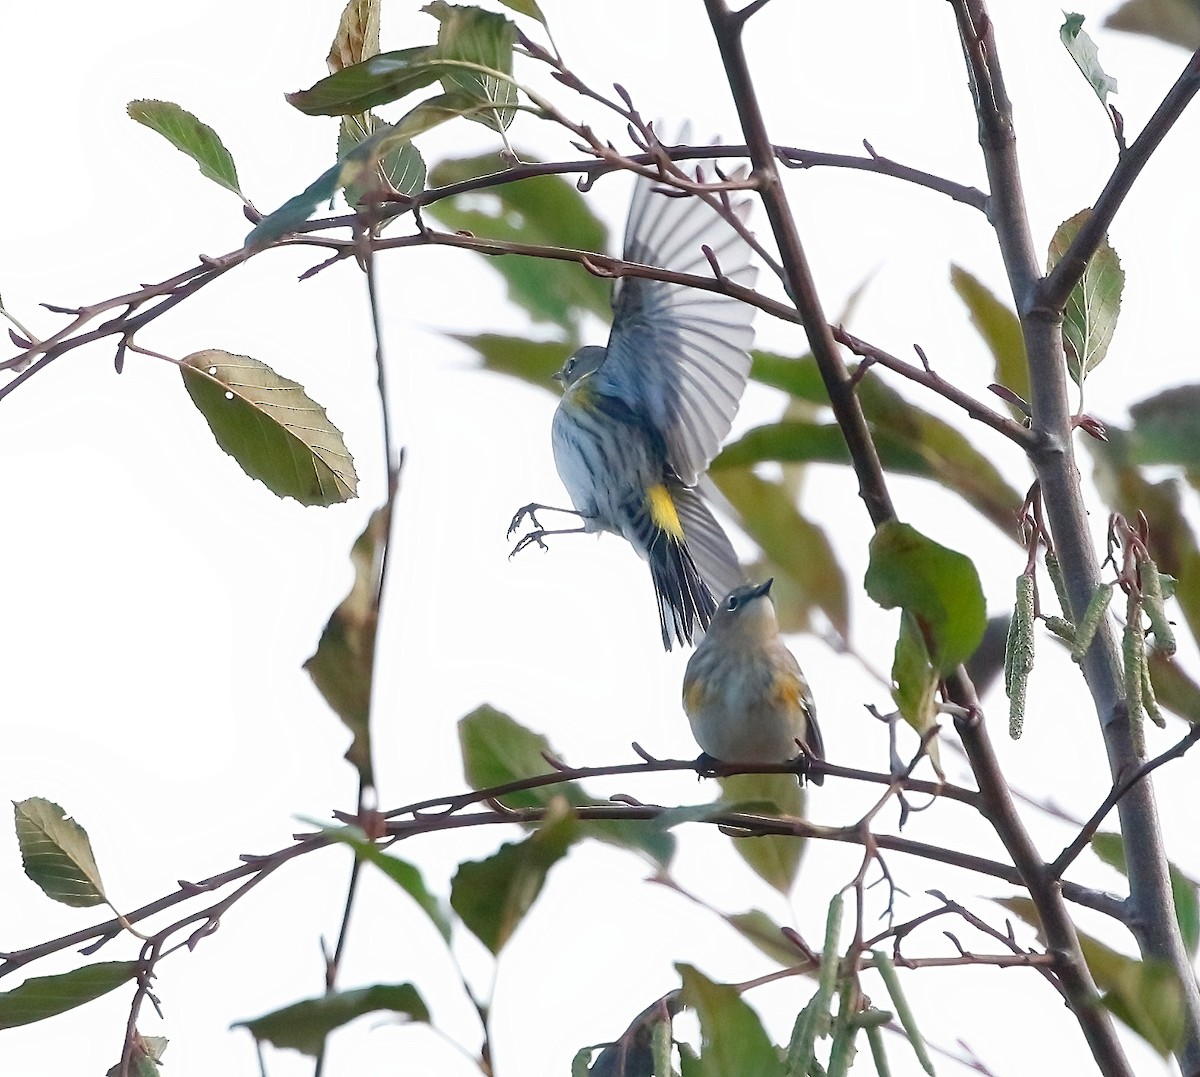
(681, 355)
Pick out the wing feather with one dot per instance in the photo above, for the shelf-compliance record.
(679, 355)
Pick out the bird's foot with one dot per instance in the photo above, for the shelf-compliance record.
(537, 536)
(708, 766)
(525, 511)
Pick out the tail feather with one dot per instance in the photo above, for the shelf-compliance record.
(685, 603)
(710, 547)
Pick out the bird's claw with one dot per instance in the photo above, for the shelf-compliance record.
(707, 766)
(518, 519)
(528, 540)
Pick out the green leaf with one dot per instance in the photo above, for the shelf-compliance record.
(799, 550)
(271, 427)
(145, 1055)
(910, 440)
(1172, 543)
(1174, 21)
(1166, 428)
(1109, 848)
(376, 80)
(186, 133)
(946, 455)
(914, 680)
(775, 858)
(1145, 995)
(40, 997)
(56, 853)
(342, 667)
(756, 927)
(400, 169)
(1173, 688)
(401, 872)
(542, 210)
(938, 586)
(1091, 313)
(473, 36)
(533, 361)
(356, 168)
(303, 1026)
(1083, 51)
(357, 36)
(1000, 329)
(497, 750)
(296, 210)
(797, 375)
(492, 896)
(734, 1043)
(526, 7)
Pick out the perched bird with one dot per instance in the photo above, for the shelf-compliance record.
(743, 691)
(641, 419)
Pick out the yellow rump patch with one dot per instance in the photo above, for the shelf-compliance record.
(662, 510)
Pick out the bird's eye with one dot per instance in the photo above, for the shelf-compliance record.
(569, 367)
(731, 603)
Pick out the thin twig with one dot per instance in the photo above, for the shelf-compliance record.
(1067, 857)
(1053, 291)
(1018, 434)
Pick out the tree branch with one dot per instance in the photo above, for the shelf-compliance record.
(1017, 433)
(1054, 290)
(1067, 857)
(1152, 914)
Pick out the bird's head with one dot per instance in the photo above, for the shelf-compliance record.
(746, 612)
(584, 362)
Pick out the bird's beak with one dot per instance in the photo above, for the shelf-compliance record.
(558, 376)
(762, 589)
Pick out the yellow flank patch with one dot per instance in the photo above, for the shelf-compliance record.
(662, 510)
(693, 696)
(583, 393)
(786, 692)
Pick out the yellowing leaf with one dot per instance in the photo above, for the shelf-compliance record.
(271, 427)
(343, 665)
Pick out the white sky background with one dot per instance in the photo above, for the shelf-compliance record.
(158, 604)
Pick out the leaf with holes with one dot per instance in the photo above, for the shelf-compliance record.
(187, 134)
(275, 431)
(57, 854)
(1087, 58)
(1090, 317)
